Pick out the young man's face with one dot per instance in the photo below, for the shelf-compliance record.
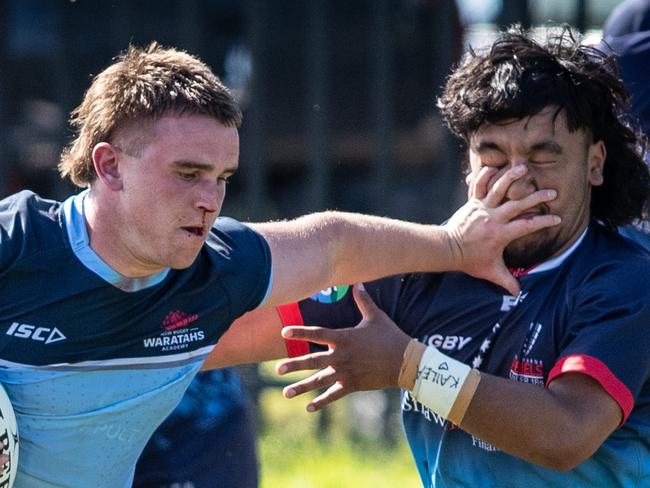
(557, 159)
(173, 189)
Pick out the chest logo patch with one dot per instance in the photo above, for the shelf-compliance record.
(177, 320)
(176, 334)
(36, 333)
(509, 302)
(527, 370)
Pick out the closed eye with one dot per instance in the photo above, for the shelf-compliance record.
(489, 164)
(542, 163)
(187, 176)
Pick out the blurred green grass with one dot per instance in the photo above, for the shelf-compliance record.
(294, 455)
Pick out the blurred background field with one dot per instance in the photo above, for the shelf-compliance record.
(297, 451)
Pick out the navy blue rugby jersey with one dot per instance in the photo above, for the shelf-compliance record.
(586, 311)
(93, 361)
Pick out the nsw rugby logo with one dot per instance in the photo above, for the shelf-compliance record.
(177, 320)
(177, 333)
(331, 295)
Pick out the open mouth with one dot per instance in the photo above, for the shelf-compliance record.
(195, 231)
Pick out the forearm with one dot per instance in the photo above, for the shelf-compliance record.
(540, 425)
(252, 338)
(556, 427)
(364, 248)
(332, 248)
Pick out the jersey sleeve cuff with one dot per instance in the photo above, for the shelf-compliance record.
(290, 315)
(596, 369)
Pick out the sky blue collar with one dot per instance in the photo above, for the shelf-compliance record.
(75, 223)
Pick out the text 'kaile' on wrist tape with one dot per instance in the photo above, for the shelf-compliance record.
(443, 382)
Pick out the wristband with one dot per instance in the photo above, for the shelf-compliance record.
(410, 360)
(442, 382)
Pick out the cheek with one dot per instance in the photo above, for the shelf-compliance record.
(221, 195)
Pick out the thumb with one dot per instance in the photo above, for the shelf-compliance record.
(363, 300)
(504, 278)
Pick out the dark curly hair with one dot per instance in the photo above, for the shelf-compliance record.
(518, 77)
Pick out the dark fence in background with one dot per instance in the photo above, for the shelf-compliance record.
(339, 96)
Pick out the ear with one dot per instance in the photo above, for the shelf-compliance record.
(106, 162)
(596, 156)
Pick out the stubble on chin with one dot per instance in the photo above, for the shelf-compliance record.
(529, 251)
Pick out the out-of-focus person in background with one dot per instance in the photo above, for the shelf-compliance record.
(208, 441)
(627, 33)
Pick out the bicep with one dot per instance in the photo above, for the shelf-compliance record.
(557, 427)
(298, 259)
(253, 337)
(591, 408)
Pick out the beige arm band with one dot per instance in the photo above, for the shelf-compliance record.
(410, 360)
(450, 404)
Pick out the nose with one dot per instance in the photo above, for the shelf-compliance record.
(211, 195)
(523, 186)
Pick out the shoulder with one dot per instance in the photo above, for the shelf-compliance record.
(622, 246)
(639, 233)
(240, 259)
(229, 237)
(612, 264)
(26, 221)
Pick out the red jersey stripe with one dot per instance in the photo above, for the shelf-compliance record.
(596, 369)
(290, 315)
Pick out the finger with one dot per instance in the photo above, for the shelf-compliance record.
(333, 393)
(504, 278)
(364, 301)
(4, 459)
(316, 360)
(469, 181)
(513, 208)
(497, 193)
(318, 335)
(317, 381)
(495, 177)
(479, 185)
(521, 227)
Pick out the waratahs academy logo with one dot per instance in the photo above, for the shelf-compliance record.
(331, 295)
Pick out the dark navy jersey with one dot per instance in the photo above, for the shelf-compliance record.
(587, 311)
(94, 361)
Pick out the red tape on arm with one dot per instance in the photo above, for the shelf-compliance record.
(290, 315)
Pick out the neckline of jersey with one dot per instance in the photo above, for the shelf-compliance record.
(551, 263)
(75, 224)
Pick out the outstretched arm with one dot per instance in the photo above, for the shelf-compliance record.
(329, 248)
(252, 338)
(573, 416)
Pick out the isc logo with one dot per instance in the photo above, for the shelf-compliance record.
(43, 334)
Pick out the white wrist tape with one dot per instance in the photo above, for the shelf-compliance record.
(439, 381)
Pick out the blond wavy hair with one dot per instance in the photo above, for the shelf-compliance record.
(142, 85)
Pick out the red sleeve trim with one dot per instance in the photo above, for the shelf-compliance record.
(596, 369)
(290, 315)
